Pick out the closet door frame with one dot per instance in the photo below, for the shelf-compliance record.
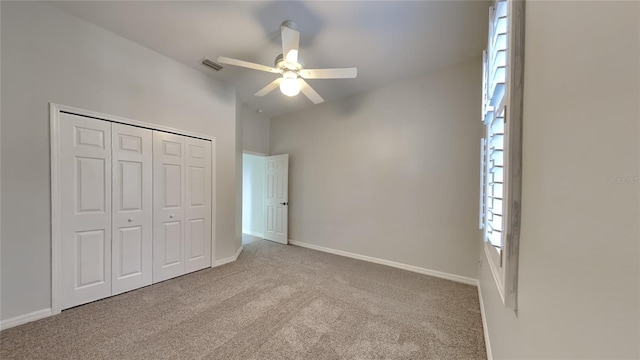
(56, 195)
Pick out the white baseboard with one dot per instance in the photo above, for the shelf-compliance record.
(416, 269)
(253, 233)
(229, 259)
(23, 319)
(485, 328)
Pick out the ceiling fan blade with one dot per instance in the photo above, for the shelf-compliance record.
(246, 64)
(344, 73)
(290, 41)
(309, 92)
(267, 89)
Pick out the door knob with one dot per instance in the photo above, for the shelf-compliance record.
(284, 203)
(130, 219)
(171, 216)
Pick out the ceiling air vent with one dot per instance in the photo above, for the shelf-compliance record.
(211, 64)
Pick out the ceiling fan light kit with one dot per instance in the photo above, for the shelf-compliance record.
(291, 67)
(289, 84)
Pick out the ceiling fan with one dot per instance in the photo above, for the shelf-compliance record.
(291, 67)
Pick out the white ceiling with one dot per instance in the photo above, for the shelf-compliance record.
(387, 41)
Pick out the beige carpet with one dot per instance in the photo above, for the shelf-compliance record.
(275, 302)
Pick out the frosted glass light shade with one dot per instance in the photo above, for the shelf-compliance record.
(289, 84)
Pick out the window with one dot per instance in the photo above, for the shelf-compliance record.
(501, 149)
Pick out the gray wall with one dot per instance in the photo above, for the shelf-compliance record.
(255, 131)
(392, 173)
(49, 56)
(578, 283)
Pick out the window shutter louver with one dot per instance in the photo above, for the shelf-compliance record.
(494, 99)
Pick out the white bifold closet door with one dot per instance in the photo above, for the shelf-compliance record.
(85, 168)
(168, 203)
(135, 207)
(182, 205)
(198, 207)
(132, 207)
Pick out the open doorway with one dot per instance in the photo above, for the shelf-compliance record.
(253, 187)
(265, 197)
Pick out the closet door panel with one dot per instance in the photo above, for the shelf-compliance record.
(85, 168)
(198, 207)
(132, 207)
(169, 205)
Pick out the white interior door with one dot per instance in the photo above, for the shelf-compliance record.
(132, 208)
(277, 198)
(169, 205)
(85, 168)
(198, 207)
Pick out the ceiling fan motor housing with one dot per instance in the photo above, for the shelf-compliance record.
(283, 65)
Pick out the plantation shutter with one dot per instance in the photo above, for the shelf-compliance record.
(494, 100)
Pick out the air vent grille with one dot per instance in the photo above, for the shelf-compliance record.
(211, 64)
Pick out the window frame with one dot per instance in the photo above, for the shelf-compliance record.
(504, 261)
